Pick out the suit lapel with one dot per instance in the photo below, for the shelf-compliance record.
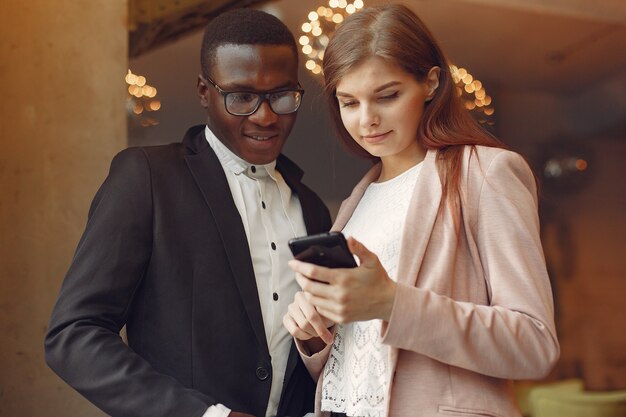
(292, 175)
(420, 220)
(210, 178)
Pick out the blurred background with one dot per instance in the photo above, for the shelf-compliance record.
(82, 79)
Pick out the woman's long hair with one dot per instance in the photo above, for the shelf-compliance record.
(395, 33)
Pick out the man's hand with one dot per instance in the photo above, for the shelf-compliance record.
(236, 414)
(304, 322)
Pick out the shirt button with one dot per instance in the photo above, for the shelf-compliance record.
(262, 373)
(253, 169)
(273, 246)
(263, 204)
(275, 296)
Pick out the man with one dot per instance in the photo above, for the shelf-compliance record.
(186, 245)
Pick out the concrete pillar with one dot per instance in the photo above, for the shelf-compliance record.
(62, 95)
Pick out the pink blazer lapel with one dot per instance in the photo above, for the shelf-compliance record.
(420, 220)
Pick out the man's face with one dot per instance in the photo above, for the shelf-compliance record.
(259, 137)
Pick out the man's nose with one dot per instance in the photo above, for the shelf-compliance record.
(264, 115)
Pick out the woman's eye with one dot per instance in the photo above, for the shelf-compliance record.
(389, 96)
(347, 103)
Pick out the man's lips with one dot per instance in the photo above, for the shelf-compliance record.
(258, 136)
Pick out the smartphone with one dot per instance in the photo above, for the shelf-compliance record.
(326, 249)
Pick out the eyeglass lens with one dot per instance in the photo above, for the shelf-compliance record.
(282, 102)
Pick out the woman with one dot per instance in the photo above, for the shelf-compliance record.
(451, 300)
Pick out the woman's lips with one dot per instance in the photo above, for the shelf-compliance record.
(376, 138)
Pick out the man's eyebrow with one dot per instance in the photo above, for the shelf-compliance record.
(248, 87)
(376, 90)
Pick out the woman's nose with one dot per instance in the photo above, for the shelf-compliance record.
(369, 117)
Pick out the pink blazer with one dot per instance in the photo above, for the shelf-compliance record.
(472, 311)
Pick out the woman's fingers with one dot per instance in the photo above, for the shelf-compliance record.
(312, 271)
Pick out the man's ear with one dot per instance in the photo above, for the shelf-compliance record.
(432, 82)
(203, 91)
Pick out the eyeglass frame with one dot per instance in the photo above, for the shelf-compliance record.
(263, 96)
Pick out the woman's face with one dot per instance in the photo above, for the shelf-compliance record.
(381, 106)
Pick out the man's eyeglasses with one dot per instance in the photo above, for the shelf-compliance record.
(245, 103)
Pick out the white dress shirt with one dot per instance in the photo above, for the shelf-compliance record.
(271, 215)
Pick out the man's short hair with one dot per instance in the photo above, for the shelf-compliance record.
(243, 27)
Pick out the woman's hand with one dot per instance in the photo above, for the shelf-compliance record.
(347, 295)
(304, 322)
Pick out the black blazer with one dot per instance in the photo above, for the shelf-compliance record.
(165, 253)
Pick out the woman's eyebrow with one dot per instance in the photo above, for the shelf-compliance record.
(376, 90)
(387, 85)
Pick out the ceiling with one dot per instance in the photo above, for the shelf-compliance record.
(153, 23)
(544, 45)
(549, 45)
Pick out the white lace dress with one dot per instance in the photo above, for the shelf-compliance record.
(356, 376)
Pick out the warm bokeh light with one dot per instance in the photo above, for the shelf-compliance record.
(140, 98)
(155, 105)
(473, 93)
(321, 25)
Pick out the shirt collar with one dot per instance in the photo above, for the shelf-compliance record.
(236, 164)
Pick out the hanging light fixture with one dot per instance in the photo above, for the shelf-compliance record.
(321, 24)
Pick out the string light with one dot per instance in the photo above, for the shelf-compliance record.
(141, 99)
(320, 26)
(473, 94)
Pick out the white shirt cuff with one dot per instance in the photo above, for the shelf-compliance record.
(217, 410)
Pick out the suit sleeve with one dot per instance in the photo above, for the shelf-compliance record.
(514, 336)
(83, 345)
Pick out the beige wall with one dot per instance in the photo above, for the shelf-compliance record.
(62, 65)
